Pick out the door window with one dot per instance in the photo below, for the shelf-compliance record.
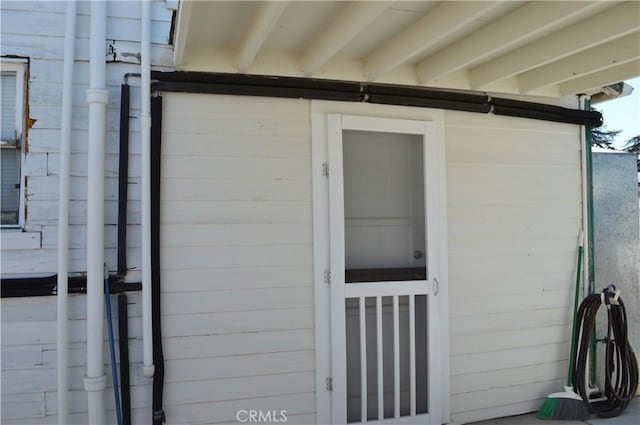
(384, 209)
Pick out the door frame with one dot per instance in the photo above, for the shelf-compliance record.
(391, 118)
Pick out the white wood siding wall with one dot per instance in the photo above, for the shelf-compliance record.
(29, 362)
(514, 210)
(35, 30)
(236, 255)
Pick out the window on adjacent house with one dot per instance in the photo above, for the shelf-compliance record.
(12, 93)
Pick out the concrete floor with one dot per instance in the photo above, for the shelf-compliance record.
(631, 416)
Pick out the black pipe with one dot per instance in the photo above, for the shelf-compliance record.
(517, 108)
(158, 356)
(350, 91)
(123, 344)
(428, 93)
(258, 90)
(255, 80)
(426, 102)
(123, 180)
(45, 286)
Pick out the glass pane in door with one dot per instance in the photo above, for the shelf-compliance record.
(384, 206)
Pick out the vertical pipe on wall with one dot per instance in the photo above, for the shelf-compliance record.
(587, 213)
(63, 212)
(590, 237)
(156, 314)
(147, 327)
(585, 197)
(123, 179)
(97, 98)
(123, 345)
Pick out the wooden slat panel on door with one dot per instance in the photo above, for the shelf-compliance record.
(380, 358)
(363, 360)
(396, 357)
(386, 289)
(412, 354)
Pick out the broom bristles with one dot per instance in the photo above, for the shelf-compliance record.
(566, 406)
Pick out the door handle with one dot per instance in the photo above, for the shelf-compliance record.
(436, 286)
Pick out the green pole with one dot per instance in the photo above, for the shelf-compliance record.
(574, 327)
(590, 237)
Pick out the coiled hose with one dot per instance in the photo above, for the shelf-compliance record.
(621, 365)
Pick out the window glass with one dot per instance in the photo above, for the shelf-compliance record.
(11, 115)
(10, 175)
(8, 95)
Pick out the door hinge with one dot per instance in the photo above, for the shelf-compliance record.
(325, 169)
(327, 276)
(329, 383)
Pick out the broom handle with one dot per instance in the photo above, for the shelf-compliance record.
(576, 301)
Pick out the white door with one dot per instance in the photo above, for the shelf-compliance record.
(383, 231)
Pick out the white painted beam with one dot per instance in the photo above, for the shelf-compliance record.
(601, 78)
(607, 55)
(516, 27)
(265, 19)
(444, 20)
(185, 10)
(608, 25)
(354, 18)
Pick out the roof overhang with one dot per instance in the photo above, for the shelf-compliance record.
(546, 48)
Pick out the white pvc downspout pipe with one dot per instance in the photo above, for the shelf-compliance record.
(97, 98)
(63, 212)
(145, 101)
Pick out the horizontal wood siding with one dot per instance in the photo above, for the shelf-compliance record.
(514, 211)
(236, 258)
(35, 30)
(29, 353)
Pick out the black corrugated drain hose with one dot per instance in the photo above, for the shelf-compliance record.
(621, 365)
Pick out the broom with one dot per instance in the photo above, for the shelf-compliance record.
(568, 405)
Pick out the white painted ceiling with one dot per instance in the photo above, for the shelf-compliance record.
(550, 48)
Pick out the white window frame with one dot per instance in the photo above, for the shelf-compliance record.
(20, 68)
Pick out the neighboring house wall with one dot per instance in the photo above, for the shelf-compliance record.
(616, 225)
(35, 30)
(29, 353)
